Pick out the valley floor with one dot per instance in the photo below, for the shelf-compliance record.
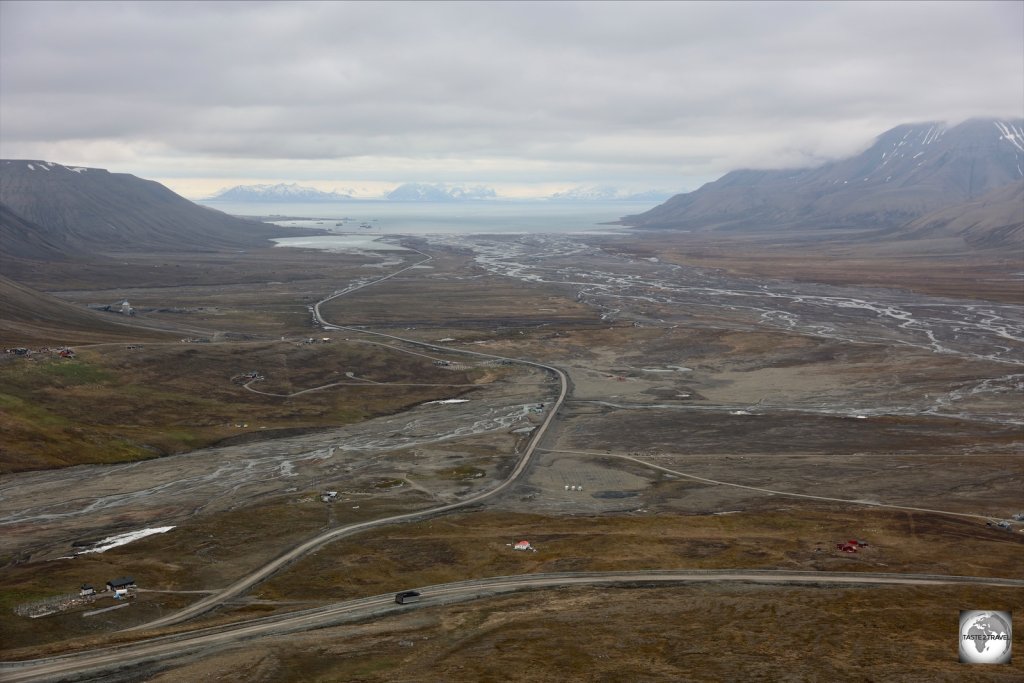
(714, 420)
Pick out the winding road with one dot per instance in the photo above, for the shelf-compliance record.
(266, 571)
(182, 645)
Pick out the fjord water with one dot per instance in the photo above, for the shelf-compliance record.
(484, 217)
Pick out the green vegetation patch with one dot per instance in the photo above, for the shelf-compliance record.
(115, 404)
(37, 374)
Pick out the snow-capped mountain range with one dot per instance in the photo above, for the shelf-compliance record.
(425, 192)
(281, 192)
(421, 192)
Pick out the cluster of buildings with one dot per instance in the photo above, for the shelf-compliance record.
(119, 587)
(124, 308)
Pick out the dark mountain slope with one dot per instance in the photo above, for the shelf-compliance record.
(23, 239)
(995, 220)
(91, 210)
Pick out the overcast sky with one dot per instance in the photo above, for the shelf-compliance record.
(527, 98)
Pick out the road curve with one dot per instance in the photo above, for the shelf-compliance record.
(267, 570)
(179, 646)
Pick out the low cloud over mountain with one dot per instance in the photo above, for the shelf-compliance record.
(910, 171)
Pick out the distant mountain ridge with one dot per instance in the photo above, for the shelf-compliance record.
(421, 192)
(281, 192)
(51, 209)
(908, 172)
(607, 193)
(406, 192)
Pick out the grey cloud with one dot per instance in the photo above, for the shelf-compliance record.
(570, 84)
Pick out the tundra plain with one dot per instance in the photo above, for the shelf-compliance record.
(717, 418)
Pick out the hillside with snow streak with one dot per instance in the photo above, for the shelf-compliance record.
(908, 172)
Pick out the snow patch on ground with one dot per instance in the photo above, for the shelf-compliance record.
(123, 539)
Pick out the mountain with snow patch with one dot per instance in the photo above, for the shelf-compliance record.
(909, 171)
(279, 193)
(49, 211)
(421, 192)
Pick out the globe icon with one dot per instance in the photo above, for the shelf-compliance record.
(985, 637)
